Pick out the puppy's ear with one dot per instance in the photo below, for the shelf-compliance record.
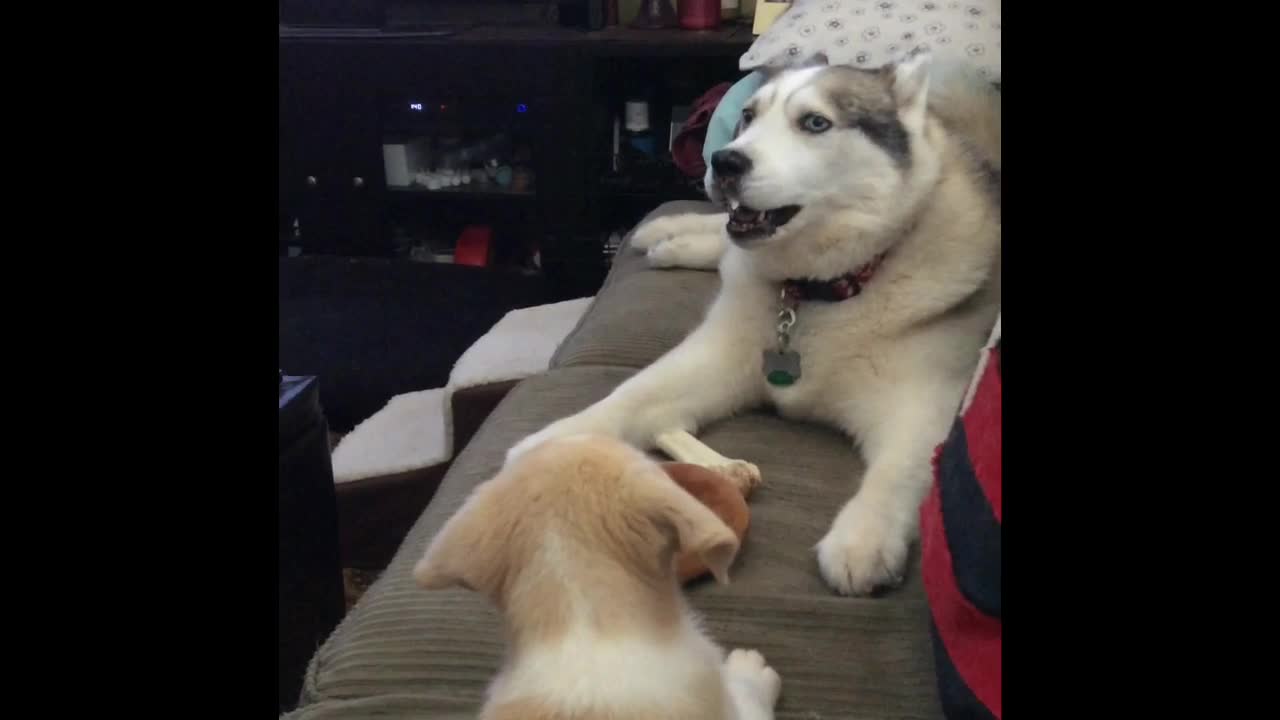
(470, 550)
(910, 85)
(694, 527)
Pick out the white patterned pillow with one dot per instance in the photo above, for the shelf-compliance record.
(871, 33)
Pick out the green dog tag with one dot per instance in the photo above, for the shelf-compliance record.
(781, 368)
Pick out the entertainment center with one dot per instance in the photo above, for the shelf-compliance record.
(487, 142)
(441, 165)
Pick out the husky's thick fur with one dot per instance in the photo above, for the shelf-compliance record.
(574, 541)
(831, 167)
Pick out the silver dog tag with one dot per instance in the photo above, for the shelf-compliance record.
(781, 368)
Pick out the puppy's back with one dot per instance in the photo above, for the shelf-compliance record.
(587, 676)
(529, 709)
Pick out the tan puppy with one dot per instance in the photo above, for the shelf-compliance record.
(575, 542)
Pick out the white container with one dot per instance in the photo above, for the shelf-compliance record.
(637, 115)
(403, 160)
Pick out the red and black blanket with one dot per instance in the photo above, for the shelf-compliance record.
(960, 542)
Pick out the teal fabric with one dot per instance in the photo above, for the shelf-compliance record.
(725, 118)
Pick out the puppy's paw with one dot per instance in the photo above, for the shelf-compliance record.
(864, 551)
(749, 667)
(745, 475)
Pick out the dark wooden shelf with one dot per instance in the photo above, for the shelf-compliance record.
(462, 191)
(657, 194)
(658, 181)
(337, 91)
(729, 39)
(469, 34)
(620, 41)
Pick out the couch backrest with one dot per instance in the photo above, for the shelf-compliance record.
(640, 313)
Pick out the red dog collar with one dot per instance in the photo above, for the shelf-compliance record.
(836, 289)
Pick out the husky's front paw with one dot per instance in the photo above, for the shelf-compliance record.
(650, 234)
(749, 668)
(687, 251)
(864, 551)
(668, 253)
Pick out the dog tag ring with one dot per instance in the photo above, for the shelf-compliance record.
(782, 366)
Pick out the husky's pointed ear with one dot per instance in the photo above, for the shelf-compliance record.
(910, 85)
(693, 526)
(467, 552)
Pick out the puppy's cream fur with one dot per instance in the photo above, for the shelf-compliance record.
(574, 542)
(910, 166)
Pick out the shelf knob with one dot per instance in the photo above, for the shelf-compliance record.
(357, 181)
(312, 181)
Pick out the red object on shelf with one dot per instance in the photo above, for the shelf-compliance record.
(686, 147)
(699, 14)
(475, 246)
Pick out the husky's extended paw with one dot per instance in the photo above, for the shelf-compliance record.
(527, 444)
(561, 428)
(749, 667)
(592, 421)
(864, 551)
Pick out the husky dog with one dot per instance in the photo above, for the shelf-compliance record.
(860, 268)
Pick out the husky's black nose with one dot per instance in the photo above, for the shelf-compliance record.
(730, 164)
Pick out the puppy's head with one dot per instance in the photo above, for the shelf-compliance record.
(569, 512)
(818, 138)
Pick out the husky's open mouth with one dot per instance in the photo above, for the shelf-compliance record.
(747, 223)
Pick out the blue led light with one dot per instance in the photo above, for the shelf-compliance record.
(522, 108)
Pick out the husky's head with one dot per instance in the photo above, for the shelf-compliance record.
(818, 139)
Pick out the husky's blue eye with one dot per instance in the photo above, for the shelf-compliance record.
(815, 123)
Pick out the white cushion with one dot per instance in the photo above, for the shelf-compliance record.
(415, 430)
(520, 345)
(411, 432)
(872, 33)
